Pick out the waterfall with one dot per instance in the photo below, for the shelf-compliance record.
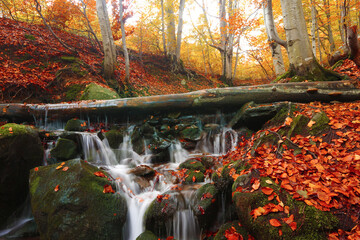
(218, 141)
(177, 153)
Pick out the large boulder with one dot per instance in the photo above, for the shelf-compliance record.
(70, 200)
(65, 149)
(20, 151)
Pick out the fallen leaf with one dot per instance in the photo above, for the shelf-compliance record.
(274, 222)
(36, 169)
(100, 174)
(293, 226)
(58, 167)
(108, 189)
(267, 190)
(65, 169)
(311, 123)
(288, 121)
(256, 184)
(57, 188)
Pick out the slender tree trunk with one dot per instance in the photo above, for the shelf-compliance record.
(313, 27)
(170, 29)
(107, 38)
(179, 31)
(163, 27)
(123, 38)
(223, 35)
(273, 38)
(328, 26)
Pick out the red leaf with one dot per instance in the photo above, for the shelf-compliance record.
(108, 189)
(267, 190)
(100, 174)
(57, 188)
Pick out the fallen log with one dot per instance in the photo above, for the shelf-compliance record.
(204, 101)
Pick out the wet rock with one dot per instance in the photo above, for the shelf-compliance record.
(191, 133)
(65, 149)
(193, 176)
(160, 149)
(78, 206)
(142, 182)
(20, 151)
(143, 171)
(147, 130)
(76, 125)
(311, 223)
(206, 205)
(97, 92)
(161, 211)
(233, 229)
(137, 140)
(115, 138)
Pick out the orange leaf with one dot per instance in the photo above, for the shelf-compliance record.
(267, 190)
(65, 169)
(58, 167)
(57, 188)
(193, 178)
(108, 189)
(36, 169)
(288, 121)
(274, 222)
(100, 174)
(289, 219)
(256, 184)
(311, 123)
(324, 197)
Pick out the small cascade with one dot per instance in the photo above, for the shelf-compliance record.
(185, 225)
(177, 153)
(218, 141)
(97, 151)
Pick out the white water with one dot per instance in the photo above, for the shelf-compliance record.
(215, 142)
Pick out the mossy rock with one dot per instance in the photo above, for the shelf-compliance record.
(233, 227)
(192, 164)
(115, 138)
(30, 37)
(286, 111)
(205, 205)
(78, 207)
(191, 133)
(97, 92)
(137, 141)
(321, 123)
(147, 235)
(223, 180)
(76, 125)
(161, 211)
(310, 221)
(20, 150)
(65, 149)
(193, 176)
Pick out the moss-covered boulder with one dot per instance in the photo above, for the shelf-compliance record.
(96, 92)
(321, 123)
(193, 176)
(68, 200)
(205, 205)
(192, 164)
(76, 125)
(161, 211)
(192, 133)
(296, 219)
(20, 151)
(147, 235)
(115, 138)
(65, 149)
(137, 141)
(232, 230)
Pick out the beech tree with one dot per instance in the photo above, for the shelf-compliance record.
(123, 38)
(302, 61)
(107, 39)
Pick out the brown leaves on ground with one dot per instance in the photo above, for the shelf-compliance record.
(325, 174)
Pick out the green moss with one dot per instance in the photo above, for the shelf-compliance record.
(191, 133)
(96, 92)
(321, 123)
(76, 125)
(199, 176)
(65, 149)
(192, 164)
(337, 64)
(115, 138)
(73, 92)
(147, 235)
(298, 126)
(70, 59)
(13, 129)
(34, 185)
(30, 37)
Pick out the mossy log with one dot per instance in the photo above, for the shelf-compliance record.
(208, 100)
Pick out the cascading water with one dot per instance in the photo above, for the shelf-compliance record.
(218, 141)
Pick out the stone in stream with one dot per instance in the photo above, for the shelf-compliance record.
(147, 235)
(20, 151)
(115, 138)
(69, 201)
(65, 149)
(76, 125)
(234, 229)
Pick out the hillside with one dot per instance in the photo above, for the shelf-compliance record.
(35, 67)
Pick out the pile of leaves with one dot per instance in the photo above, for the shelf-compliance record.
(325, 174)
(34, 65)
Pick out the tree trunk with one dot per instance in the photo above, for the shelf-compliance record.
(123, 38)
(328, 26)
(170, 29)
(107, 38)
(313, 27)
(179, 31)
(303, 64)
(163, 27)
(210, 100)
(354, 45)
(273, 38)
